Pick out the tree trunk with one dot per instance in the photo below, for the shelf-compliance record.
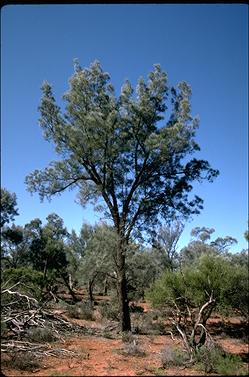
(105, 286)
(90, 291)
(70, 281)
(66, 281)
(125, 321)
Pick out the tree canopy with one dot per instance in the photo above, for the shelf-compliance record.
(122, 149)
(8, 207)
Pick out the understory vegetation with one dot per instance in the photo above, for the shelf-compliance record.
(45, 267)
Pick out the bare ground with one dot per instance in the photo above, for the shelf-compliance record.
(102, 356)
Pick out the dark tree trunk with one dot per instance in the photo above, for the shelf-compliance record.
(90, 291)
(125, 321)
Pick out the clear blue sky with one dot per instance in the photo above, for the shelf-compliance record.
(206, 45)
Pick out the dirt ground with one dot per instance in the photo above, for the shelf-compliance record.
(99, 356)
(102, 356)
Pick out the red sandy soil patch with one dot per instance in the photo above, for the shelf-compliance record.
(98, 356)
(101, 357)
(235, 346)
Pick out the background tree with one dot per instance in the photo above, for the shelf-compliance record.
(48, 249)
(8, 207)
(98, 262)
(142, 270)
(200, 245)
(13, 247)
(12, 240)
(165, 244)
(122, 154)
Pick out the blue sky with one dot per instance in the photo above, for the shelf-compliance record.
(205, 45)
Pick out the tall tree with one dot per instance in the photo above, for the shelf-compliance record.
(122, 154)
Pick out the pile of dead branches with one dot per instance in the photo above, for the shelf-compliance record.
(20, 314)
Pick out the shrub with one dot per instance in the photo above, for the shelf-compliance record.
(214, 359)
(32, 281)
(133, 349)
(109, 311)
(144, 324)
(127, 337)
(107, 334)
(40, 335)
(4, 329)
(172, 357)
(228, 365)
(81, 310)
(25, 361)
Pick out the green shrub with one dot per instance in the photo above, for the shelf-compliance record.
(31, 281)
(214, 359)
(228, 365)
(25, 361)
(81, 310)
(146, 325)
(107, 334)
(109, 311)
(127, 337)
(4, 328)
(40, 335)
(172, 357)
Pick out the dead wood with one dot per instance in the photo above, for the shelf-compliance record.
(21, 315)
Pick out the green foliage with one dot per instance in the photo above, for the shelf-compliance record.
(214, 360)
(127, 337)
(113, 148)
(25, 361)
(14, 252)
(109, 311)
(209, 275)
(145, 324)
(200, 245)
(46, 249)
(81, 310)
(8, 207)
(31, 281)
(141, 271)
(165, 244)
(40, 335)
(107, 334)
(4, 329)
(100, 243)
(246, 234)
